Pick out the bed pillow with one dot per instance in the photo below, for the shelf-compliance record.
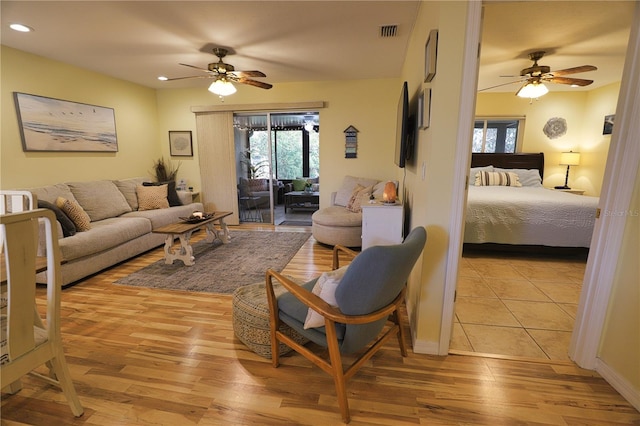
(497, 179)
(527, 177)
(475, 170)
(325, 288)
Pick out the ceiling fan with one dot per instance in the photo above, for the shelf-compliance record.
(536, 74)
(224, 74)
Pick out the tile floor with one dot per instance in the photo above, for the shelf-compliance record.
(517, 305)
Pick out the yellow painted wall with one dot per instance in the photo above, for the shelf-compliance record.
(619, 347)
(584, 113)
(368, 105)
(429, 200)
(136, 123)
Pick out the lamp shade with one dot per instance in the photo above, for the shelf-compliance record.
(532, 89)
(570, 158)
(222, 87)
(389, 194)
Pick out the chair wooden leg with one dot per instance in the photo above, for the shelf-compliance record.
(337, 371)
(401, 335)
(59, 367)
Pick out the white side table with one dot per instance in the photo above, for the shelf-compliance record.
(381, 224)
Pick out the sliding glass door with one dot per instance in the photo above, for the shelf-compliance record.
(272, 150)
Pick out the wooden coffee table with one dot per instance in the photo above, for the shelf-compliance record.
(183, 231)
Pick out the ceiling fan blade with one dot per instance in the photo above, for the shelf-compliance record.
(190, 77)
(568, 80)
(255, 83)
(574, 70)
(249, 74)
(503, 84)
(198, 68)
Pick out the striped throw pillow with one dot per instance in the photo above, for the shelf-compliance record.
(485, 178)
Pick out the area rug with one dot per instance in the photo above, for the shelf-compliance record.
(221, 268)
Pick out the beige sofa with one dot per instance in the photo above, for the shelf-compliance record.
(119, 229)
(341, 222)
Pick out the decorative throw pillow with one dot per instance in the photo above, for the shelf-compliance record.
(359, 196)
(76, 213)
(68, 227)
(152, 197)
(172, 195)
(325, 288)
(497, 179)
(299, 184)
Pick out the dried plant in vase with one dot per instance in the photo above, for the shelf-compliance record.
(165, 171)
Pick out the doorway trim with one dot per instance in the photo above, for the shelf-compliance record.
(622, 166)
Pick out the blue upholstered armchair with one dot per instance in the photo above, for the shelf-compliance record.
(368, 296)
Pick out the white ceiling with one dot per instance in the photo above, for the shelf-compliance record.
(306, 40)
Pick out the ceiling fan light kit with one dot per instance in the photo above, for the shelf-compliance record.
(222, 87)
(536, 75)
(532, 90)
(225, 74)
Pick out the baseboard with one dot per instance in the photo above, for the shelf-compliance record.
(425, 347)
(619, 383)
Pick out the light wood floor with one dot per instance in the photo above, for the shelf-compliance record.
(146, 356)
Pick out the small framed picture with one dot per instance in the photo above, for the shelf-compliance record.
(430, 56)
(424, 109)
(608, 124)
(180, 143)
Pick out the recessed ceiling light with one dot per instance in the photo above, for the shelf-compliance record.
(20, 27)
(163, 78)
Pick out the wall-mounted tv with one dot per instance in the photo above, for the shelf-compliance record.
(402, 127)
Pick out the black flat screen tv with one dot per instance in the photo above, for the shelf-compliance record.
(402, 127)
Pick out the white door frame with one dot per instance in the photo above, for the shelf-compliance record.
(621, 168)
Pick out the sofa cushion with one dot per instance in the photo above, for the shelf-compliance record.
(359, 196)
(78, 216)
(172, 194)
(299, 184)
(336, 216)
(103, 235)
(162, 217)
(348, 185)
(67, 225)
(128, 189)
(152, 197)
(101, 199)
(52, 192)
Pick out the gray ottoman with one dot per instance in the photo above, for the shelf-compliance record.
(336, 225)
(251, 320)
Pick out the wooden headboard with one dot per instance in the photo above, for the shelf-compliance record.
(510, 161)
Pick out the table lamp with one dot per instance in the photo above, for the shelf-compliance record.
(568, 159)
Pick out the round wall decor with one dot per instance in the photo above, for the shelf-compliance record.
(555, 127)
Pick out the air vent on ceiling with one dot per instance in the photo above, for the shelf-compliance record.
(388, 30)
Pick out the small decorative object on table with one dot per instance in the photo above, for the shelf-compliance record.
(389, 194)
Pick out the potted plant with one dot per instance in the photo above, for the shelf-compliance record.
(165, 171)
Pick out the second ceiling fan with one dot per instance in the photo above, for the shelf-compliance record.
(537, 74)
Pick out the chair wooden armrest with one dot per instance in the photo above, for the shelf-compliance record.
(336, 254)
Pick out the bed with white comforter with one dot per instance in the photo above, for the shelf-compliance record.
(529, 216)
(526, 214)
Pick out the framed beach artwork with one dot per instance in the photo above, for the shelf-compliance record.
(48, 124)
(180, 143)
